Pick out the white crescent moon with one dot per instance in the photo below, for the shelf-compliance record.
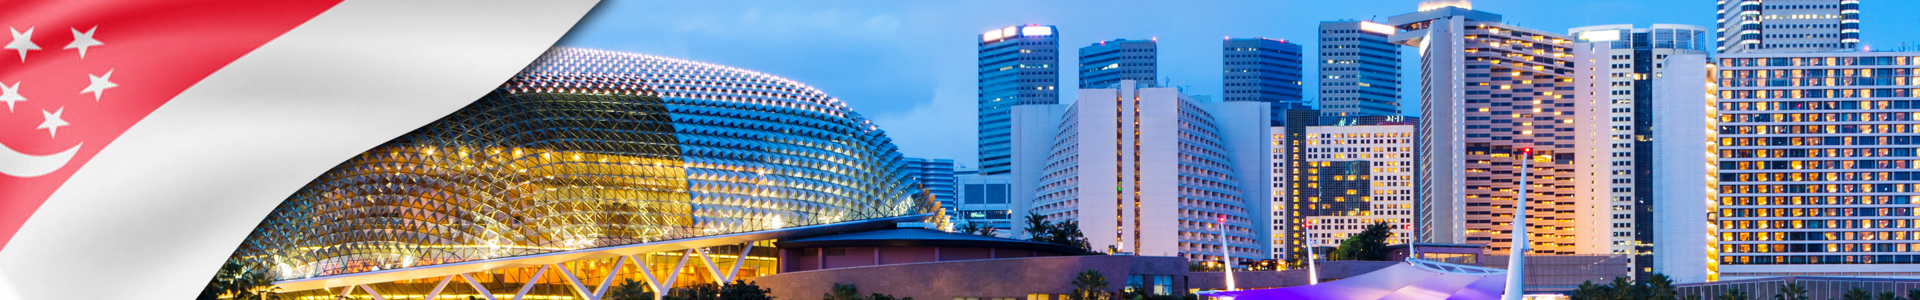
(16, 164)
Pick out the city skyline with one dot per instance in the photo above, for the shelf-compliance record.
(902, 64)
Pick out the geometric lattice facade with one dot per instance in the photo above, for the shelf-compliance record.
(588, 149)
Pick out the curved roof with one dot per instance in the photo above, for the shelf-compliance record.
(589, 149)
(1414, 279)
(922, 237)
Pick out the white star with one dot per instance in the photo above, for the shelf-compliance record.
(97, 84)
(22, 42)
(53, 121)
(82, 40)
(11, 94)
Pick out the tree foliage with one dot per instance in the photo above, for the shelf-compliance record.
(1791, 291)
(975, 228)
(849, 292)
(1062, 233)
(630, 290)
(237, 281)
(1090, 285)
(737, 290)
(1732, 294)
(1857, 294)
(1655, 287)
(1369, 244)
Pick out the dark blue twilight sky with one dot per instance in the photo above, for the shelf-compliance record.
(909, 65)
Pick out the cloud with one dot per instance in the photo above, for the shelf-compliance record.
(942, 128)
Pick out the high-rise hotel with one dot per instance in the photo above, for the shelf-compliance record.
(1636, 56)
(1359, 69)
(1018, 65)
(1817, 161)
(1489, 91)
(1148, 170)
(1333, 176)
(1748, 26)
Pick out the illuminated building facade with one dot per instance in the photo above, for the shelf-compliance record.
(1350, 172)
(1106, 63)
(1635, 55)
(1019, 65)
(1683, 171)
(1757, 26)
(1489, 90)
(936, 178)
(1359, 69)
(986, 201)
(1816, 151)
(1149, 171)
(584, 153)
(1264, 70)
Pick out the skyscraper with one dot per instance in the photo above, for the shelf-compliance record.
(1106, 63)
(1751, 26)
(1264, 70)
(936, 179)
(1149, 171)
(1635, 56)
(1684, 169)
(1816, 160)
(1018, 65)
(1359, 69)
(1336, 175)
(1491, 90)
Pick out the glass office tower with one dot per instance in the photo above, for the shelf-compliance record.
(1106, 63)
(1263, 70)
(1359, 69)
(1019, 65)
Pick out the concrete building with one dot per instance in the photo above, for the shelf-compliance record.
(1106, 63)
(986, 200)
(1148, 170)
(1815, 160)
(1359, 69)
(1683, 173)
(1490, 91)
(1635, 56)
(1782, 26)
(936, 179)
(1334, 176)
(1018, 65)
(1817, 287)
(1263, 70)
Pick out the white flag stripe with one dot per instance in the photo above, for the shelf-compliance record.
(154, 214)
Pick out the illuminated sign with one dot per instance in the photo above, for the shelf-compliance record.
(990, 35)
(1036, 31)
(1376, 27)
(1600, 36)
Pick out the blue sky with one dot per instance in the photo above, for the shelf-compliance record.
(909, 65)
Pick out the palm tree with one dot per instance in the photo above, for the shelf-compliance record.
(843, 292)
(1913, 294)
(1660, 287)
(1038, 227)
(1732, 294)
(630, 290)
(1089, 285)
(1857, 294)
(1791, 291)
(1888, 296)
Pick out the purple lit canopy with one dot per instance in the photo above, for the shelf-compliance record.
(1413, 280)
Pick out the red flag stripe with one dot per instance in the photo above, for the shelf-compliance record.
(146, 51)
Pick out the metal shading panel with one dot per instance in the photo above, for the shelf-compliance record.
(589, 149)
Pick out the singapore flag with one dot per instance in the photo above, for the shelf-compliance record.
(141, 140)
